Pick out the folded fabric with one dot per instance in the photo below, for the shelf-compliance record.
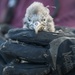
(29, 36)
(42, 38)
(58, 51)
(27, 69)
(28, 52)
(1, 69)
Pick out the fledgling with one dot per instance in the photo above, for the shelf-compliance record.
(38, 18)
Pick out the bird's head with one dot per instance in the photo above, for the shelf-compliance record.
(36, 17)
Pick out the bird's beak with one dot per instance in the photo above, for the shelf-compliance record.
(37, 27)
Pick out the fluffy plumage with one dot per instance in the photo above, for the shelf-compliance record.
(38, 18)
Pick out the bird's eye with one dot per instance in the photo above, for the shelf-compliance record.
(29, 19)
(43, 19)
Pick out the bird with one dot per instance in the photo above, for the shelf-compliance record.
(38, 18)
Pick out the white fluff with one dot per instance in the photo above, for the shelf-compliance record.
(37, 12)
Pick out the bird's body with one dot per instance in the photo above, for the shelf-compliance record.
(38, 18)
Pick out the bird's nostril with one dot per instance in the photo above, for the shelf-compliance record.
(36, 23)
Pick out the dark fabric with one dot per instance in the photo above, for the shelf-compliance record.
(1, 69)
(44, 48)
(42, 38)
(31, 53)
(2, 61)
(26, 69)
(66, 56)
(29, 36)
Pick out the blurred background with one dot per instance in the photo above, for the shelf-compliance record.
(12, 12)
